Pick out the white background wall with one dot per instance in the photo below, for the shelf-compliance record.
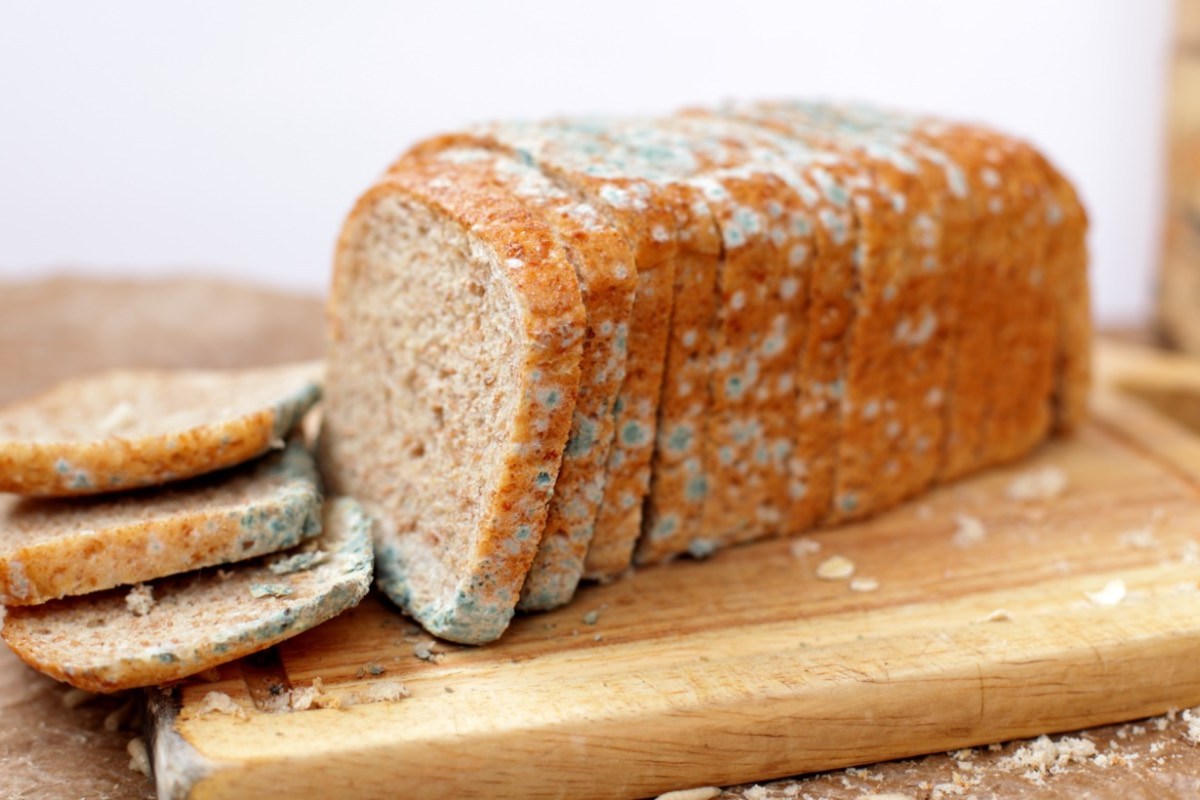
(146, 138)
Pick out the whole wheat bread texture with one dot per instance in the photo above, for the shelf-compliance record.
(51, 548)
(128, 429)
(457, 328)
(182, 625)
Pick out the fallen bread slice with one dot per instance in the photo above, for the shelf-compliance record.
(71, 546)
(179, 626)
(128, 429)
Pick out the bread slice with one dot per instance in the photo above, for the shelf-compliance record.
(53, 548)
(576, 154)
(175, 627)
(607, 274)
(128, 429)
(457, 328)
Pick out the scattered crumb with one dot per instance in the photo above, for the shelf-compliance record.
(140, 600)
(591, 617)
(270, 590)
(995, 748)
(969, 531)
(139, 757)
(700, 793)
(74, 698)
(370, 668)
(378, 692)
(448, 689)
(1139, 538)
(425, 652)
(313, 696)
(599, 637)
(1037, 484)
(218, 703)
(999, 615)
(835, 568)
(1045, 756)
(1192, 734)
(1112, 593)
(805, 547)
(299, 562)
(864, 585)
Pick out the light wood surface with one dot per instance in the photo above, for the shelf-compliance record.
(747, 667)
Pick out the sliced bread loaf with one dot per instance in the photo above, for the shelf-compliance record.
(178, 626)
(456, 333)
(128, 429)
(53, 548)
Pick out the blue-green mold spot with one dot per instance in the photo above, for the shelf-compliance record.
(848, 502)
(543, 479)
(680, 438)
(633, 434)
(697, 488)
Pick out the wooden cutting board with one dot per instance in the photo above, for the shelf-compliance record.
(747, 666)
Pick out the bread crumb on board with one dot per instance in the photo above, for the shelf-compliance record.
(378, 692)
(314, 696)
(699, 793)
(216, 703)
(805, 547)
(140, 600)
(1112, 593)
(835, 568)
(969, 531)
(1037, 485)
(864, 585)
(1139, 539)
(425, 652)
(999, 615)
(1045, 756)
(139, 756)
(1192, 717)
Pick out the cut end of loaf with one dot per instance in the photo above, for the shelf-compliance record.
(424, 388)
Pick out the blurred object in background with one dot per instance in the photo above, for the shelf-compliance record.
(1179, 288)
